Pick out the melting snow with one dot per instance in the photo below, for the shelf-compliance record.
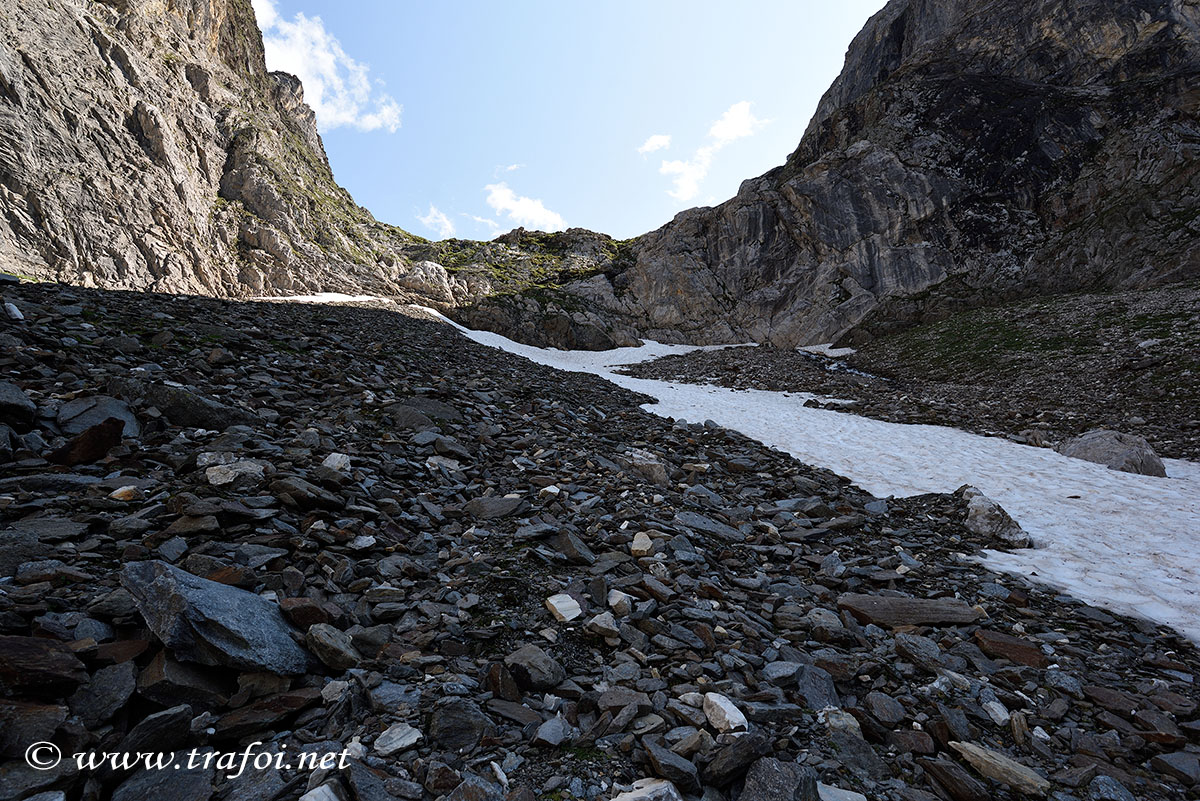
(1126, 542)
(324, 297)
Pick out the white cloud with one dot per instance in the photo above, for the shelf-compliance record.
(337, 87)
(656, 142)
(736, 123)
(492, 225)
(525, 211)
(512, 167)
(437, 221)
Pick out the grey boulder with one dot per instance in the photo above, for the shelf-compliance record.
(78, 415)
(211, 623)
(16, 409)
(1128, 453)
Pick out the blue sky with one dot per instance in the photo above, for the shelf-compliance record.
(467, 119)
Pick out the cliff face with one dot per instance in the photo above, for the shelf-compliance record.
(968, 153)
(144, 145)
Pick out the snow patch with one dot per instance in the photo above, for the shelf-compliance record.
(827, 349)
(323, 297)
(1122, 541)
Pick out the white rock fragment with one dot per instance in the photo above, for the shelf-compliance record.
(398, 737)
(642, 545)
(563, 607)
(997, 712)
(604, 625)
(650, 790)
(245, 471)
(337, 461)
(830, 793)
(987, 518)
(723, 714)
(324, 792)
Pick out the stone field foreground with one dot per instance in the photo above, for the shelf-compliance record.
(345, 529)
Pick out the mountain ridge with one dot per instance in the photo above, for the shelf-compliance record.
(967, 154)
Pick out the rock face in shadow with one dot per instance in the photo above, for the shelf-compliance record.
(969, 153)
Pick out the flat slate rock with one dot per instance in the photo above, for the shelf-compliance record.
(887, 610)
(211, 623)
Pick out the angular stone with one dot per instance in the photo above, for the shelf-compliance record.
(166, 681)
(723, 714)
(672, 767)
(107, 691)
(534, 669)
(563, 607)
(210, 623)
(16, 409)
(955, 781)
(182, 784)
(988, 519)
(38, 667)
(332, 646)
(553, 733)
(398, 737)
(892, 611)
(1181, 765)
(491, 507)
(772, 780)
(1005, 646)
(182, 407)
(887, 710)
(295, 491)
(921, 651)
(999, 768)
(650, 790)
(815, 686)
(735, 759)
(459, 725)
(78, 415)
(23, 723)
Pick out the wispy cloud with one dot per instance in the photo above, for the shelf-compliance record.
(435, 220)
(736, 123)
(524, 211)
(337, 87)
(656, 142)
(492, 226)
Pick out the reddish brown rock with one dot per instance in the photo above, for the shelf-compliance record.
(886, 610)
(1005, 646)
(90, 446)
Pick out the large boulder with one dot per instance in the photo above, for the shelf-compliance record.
(1128, 453)
(78, 415)
(16, 409)
(211, 623)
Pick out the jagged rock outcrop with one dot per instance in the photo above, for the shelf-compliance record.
(146, 146)
(970, 152)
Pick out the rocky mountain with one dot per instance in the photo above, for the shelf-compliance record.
(146, 146)
(970, 152)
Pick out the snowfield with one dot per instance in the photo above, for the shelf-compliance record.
(1122, 541)
(1126, 542)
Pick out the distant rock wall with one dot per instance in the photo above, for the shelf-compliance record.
(969, 152)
